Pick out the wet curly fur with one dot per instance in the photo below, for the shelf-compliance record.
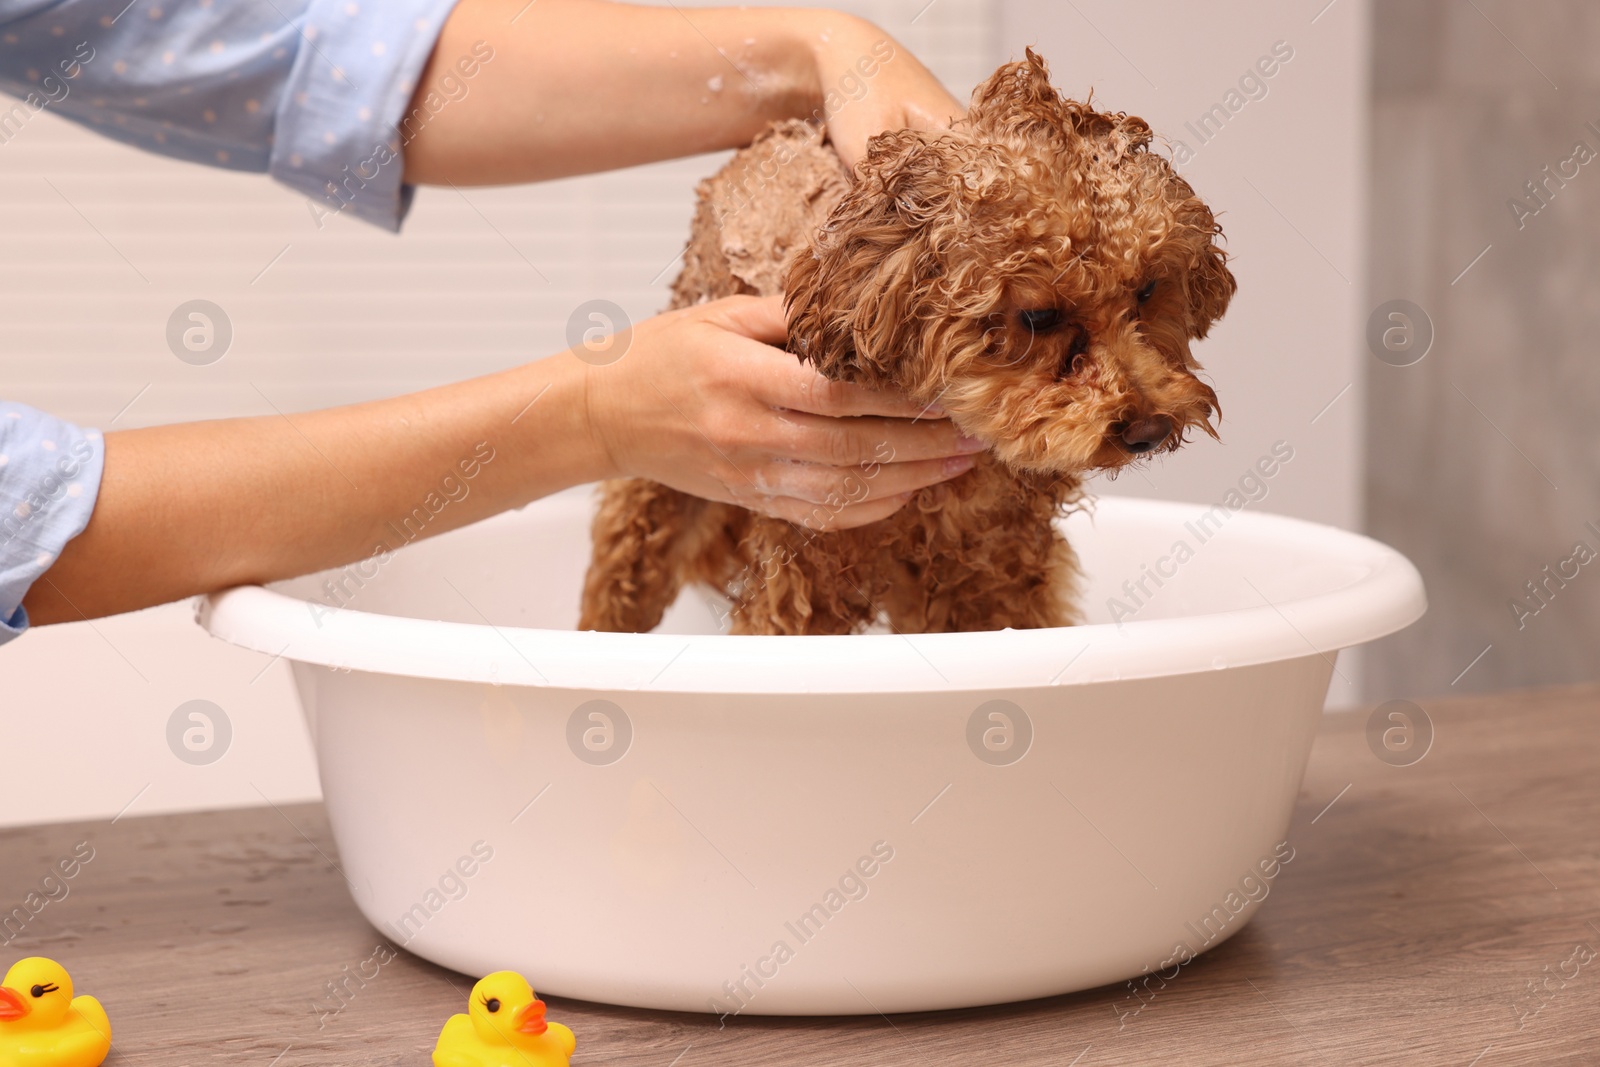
(1036, 271)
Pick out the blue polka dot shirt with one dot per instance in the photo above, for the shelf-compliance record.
(49, 477)
(313, 92)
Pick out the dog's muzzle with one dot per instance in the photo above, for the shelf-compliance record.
(1144, 435)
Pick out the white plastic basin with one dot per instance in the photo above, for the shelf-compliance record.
(817, 825)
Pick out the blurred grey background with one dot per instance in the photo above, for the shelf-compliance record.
(1483, 457)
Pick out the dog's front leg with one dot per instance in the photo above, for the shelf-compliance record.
(799, 581)
(641, 555)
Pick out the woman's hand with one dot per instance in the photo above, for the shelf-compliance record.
(871, 83)
(577, 86)
(702, 402)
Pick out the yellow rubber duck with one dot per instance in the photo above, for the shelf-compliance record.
(504, 1027)
(43, 1025)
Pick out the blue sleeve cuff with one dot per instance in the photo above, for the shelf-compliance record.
(342, 122)
(13, 627)
(50, 474)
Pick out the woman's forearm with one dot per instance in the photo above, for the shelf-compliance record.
(194, 507)
(586, 85)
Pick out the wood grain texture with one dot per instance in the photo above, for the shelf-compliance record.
(1421, 904)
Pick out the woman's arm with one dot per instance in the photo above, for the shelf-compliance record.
(577, 86)
(698, 402)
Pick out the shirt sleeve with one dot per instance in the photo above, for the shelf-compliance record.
(313, 92)
(49, 479)
(342, 120)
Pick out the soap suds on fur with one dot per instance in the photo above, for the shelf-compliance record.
(782, 191)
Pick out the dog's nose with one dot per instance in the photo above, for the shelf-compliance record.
(1144, 435)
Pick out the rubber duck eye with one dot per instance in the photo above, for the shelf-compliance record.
(1147, 292)
(493, 1004)
(41, 990)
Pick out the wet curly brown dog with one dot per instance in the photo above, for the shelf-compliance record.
(1037, 271)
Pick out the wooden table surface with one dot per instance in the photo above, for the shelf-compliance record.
(1438, 913)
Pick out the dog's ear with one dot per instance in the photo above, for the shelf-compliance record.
(857, 295)
(1017, 97)
(1212, 286)
(1019, 107)
(1211, 283)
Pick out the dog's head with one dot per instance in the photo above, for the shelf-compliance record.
(1036, 271)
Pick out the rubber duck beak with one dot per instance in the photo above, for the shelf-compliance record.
(13, 1007)
(532, 1020)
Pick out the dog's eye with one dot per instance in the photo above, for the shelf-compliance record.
(1147, 292)
(1040, 320)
